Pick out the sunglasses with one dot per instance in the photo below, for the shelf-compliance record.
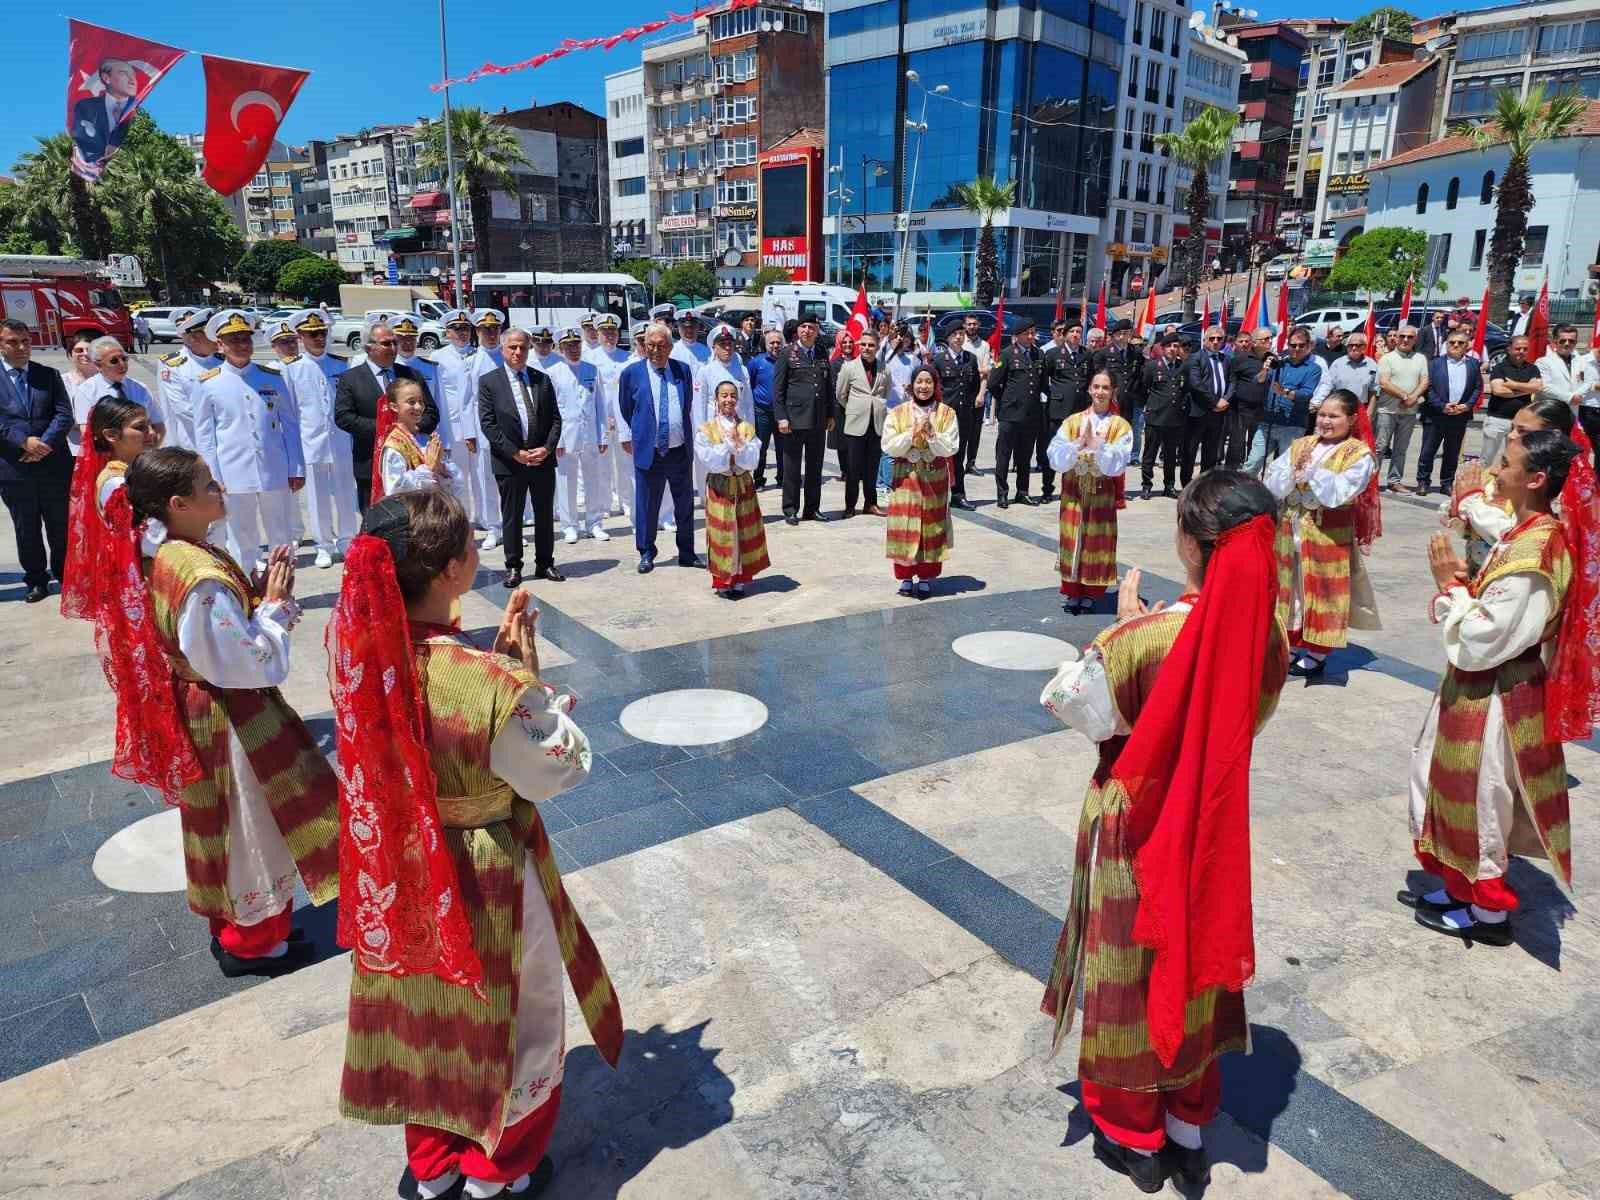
(387, 344)
(1567, 341)
(1407, 337)
(113, 359)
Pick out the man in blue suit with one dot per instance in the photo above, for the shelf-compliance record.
(35, 466)
(99, 123)
(1455, 380)
(654, 398)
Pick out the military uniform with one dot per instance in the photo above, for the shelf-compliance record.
(694, 354)
(485, 361)
(457, 396)
(179, 373)
(609, 363)
(583, 437)
(1015, 382)
(801, 395)
(324, 447)
(958, 382)
(1164, 419)
(247, 428)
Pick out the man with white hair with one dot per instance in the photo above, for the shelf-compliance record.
(609, 357)
(247, 428)
(324, 447)
(583, 443)
(180, 370)
(111, 360)
(1402, 383)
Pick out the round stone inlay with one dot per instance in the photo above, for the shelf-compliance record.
(1013, 650)
(692, 717)
(147, 856)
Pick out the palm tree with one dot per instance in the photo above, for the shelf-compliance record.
(1204, 140)
(485, 152)
(57, 203)
(986, 196)
(1521, 123)
(146, 184)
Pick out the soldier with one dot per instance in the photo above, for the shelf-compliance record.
(285, 342)
(543, 354)
(458, 410)
(591, 335)
(803, 405)
(489, 322)
(1066, 391)
(406, 330)
(957, 368)
(324, 447)
(1014, 382)
(247, 428)
(179, 372)
(1165, 409)
(609, 358)
(583, 439)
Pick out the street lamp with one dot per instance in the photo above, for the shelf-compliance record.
(842, 194)
(920, 127)
(533, 285)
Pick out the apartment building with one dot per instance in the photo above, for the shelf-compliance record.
(1517, 46)
(627, 149)
(1382, 112)
(1258, 185)
(1212, 68)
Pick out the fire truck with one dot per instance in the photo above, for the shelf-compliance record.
(57, 297)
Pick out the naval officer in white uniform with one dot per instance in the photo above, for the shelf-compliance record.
(181, 370)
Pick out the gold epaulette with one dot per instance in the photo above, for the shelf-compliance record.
(275, 368)
(172, 360)
(215, 371)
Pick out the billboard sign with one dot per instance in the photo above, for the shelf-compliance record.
(790, 211)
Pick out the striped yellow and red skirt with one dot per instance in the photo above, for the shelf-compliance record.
(1087, 557)
(919, 536)
(1327, 544)
(736, 540)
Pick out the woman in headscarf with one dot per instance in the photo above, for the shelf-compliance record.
(1158, 938)
(919, 438)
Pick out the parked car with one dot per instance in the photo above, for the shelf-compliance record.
(350, 332)
(942, 324)
(1495, 337)
(1319, 319)
(1279, 268)
(160, 321)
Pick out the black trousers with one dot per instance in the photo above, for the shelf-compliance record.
(1013, 451)
(802, 455)
(1042, 437)
(969, 425)
(767, 432)
(1167, 440)
(38, 506)
(1202, 434)
(1446, 434)
(516, 487)
(1238, 429)
(858, 459)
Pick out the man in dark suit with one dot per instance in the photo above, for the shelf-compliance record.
(355, 403)
(35, 465)
(99, 123)
(1455, 381)
(1205, 378)
(802, 402)
(1015, 383)
(521, 423)
(655, 398)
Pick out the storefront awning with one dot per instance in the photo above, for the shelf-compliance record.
(427, 200)
(395, 234)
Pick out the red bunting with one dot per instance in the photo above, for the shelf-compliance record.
(567, 45)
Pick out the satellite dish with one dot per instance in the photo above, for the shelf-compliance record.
(766, 27)
(1197, 21)
(1358, 65)
(731, 257)
(1233, 39)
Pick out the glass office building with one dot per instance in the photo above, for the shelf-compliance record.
(1032, 98)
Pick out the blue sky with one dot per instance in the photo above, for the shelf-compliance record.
(367, 66)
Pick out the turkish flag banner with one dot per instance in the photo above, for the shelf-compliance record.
(108, 76)
(245, 104)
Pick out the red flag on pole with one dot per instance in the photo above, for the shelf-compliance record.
(245, 103)
(108, 76)
(1283, 315)
(1061, 305)
(1252, 309)
(1478, 335)
(1594, 338)
(860, 315)
(1372, 329)
(1083, 311)
(1539, 323)
(999, 326)
(1205, 314)
(1147, 316)
(1405, 303)
(1100, 308)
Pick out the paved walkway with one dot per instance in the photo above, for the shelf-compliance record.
(828, 934)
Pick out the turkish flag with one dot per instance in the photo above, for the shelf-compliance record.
(1100, 308)
(245, 103)
(999, 330)
(1539, 324)
(1283, 316)
(1205, 315)
(1405, 303)
(109, 75)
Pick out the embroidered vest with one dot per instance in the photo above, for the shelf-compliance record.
(405, 445)
(177, 569)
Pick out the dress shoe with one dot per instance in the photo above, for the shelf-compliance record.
(1421, 903)
(963, 503)
(694, 560)
(324, 560)
(570, 536)
(847, 514)
(1147, 1172)
(552, 573)
(1144, 492)
(512, 578)
(37, 593)
(407, 1188)
(1047, 495)
(1002, 502)
(1170, 493)
(1030, 501)
(490, 542)
(872, 510)
(647, 564)
(790, 519)
(816, 516)
(1189, 1169)
(296, 953)
(1475, 931)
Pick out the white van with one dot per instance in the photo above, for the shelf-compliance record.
(830, 305)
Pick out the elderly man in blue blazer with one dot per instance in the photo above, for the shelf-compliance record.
(1455, 381)
(654, 398)
(35, 466)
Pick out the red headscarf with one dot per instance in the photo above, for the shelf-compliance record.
(82, 575)
(1369, 507)
(1186, 771)
(1572, 692)
(385, 423)
(400, 909)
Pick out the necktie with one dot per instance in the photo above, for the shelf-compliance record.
(388, 377)
(117, 388)
(1216, 373)
(663, 417)
(527, 404)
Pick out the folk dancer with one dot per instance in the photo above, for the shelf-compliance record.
(117, 432)
(489, 324)
(1476, 510)
(1158, 940)
(197, 652)
(180, 371)
(1327, 482)
(1091, 451)
(444, 752)
(581, 455)
(1488, 776)
(406, 462)
(609, 357)
(736, 540)
(325, 448)
(921, 437)
(247, 428)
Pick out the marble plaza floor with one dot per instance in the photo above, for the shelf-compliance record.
(829, 932)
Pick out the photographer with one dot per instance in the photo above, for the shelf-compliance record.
(1291, 383)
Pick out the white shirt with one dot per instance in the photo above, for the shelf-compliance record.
(519, 396)
(1456, 371)
(900, 368)
(661, 381)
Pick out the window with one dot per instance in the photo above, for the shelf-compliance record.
(736, 235)
(1533, 245)
(736, 191)
(1155, 233)
(748, 20)
(1575, 37)
(1133, 77)
(1147, 133)
(1127, 129)
(631, 186)
(1497, 43)
(1486, 192)
(1161, 192)
(735, 110)
(1473, 98)
(736, 67)
(1122, 189)
(1327, 70)
(1583, 82)
(735, 151)
(1141, 189)
(882, 15)
(1444, 253)
(1158, 37)
(1152, 82)
(1138, 23)
(260, 180)
(1140, 226)
(1422, 198)
(1453, 192)
(628, 147)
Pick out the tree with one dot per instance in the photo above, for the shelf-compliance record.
(1204, 140)
(311, 279)
(262, 265)
(639, 268)
(985, 197)
(1380, 261)
(1380, 22)
(765, 276)
(485, 152)
(57, 207)
(696, 280)
(1521, 124)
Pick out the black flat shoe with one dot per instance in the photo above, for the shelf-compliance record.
(816, 516)
(1002, 502)
(1189, 1169)
(964, 504)
(37, 593)
(1030, 501)
(791, 519)
(1419, 902)
(407, 1188)
(692, 561)
(1147, 1172)
(512, 578)
(646, 565)
(235, 967)
(1490, 935)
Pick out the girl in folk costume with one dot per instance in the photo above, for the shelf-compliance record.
(117, 432)
(1328, 485)
(1477, 511)
(920, 438)
(727, 449)
(403, 464)
(198, 651)
(1158, 933)
(1488, 777)
(456, 912)
(1091, 452)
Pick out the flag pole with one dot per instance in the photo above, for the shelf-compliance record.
(450, 169)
